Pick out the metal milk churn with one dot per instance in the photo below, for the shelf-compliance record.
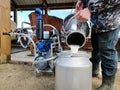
(76, 32)
(73, 71)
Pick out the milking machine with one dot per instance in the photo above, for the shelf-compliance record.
(48, 46)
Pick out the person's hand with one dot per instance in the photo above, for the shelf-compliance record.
(79, 6)
(80, 13)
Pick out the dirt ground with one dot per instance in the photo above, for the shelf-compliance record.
(21, 77)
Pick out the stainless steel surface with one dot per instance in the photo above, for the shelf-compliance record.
(73, 73)
(76, 31)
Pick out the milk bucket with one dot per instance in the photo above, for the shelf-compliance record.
(73, 71)
(76, 31)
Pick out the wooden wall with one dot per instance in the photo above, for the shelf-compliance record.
(5, 44)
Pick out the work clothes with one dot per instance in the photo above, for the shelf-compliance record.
(104, 50)
(105, 14)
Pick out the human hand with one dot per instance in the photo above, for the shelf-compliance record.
(80, 13)
(79, 6)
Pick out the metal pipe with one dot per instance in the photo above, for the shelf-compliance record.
(39, 29)
(39, 24)
(22, 25)
(45, 60)
(23, 35)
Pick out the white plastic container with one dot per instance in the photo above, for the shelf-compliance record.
(46, 35)
(73, 72)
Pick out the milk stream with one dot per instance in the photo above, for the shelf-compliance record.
(74, 48)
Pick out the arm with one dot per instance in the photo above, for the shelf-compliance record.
(102, 5)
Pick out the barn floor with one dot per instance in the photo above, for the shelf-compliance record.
(22, 77)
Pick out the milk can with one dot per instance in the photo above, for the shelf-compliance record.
(76, 31)
(73, 71)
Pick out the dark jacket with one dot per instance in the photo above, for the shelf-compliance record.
(105, 14)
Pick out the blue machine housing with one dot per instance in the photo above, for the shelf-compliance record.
(44, 46)
(39, 12)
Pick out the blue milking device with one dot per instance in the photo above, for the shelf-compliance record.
(44, 43)
(48, 45)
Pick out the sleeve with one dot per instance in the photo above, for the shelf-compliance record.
(85, 3)
(99, 6)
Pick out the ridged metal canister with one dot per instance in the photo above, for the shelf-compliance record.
(73, 71)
